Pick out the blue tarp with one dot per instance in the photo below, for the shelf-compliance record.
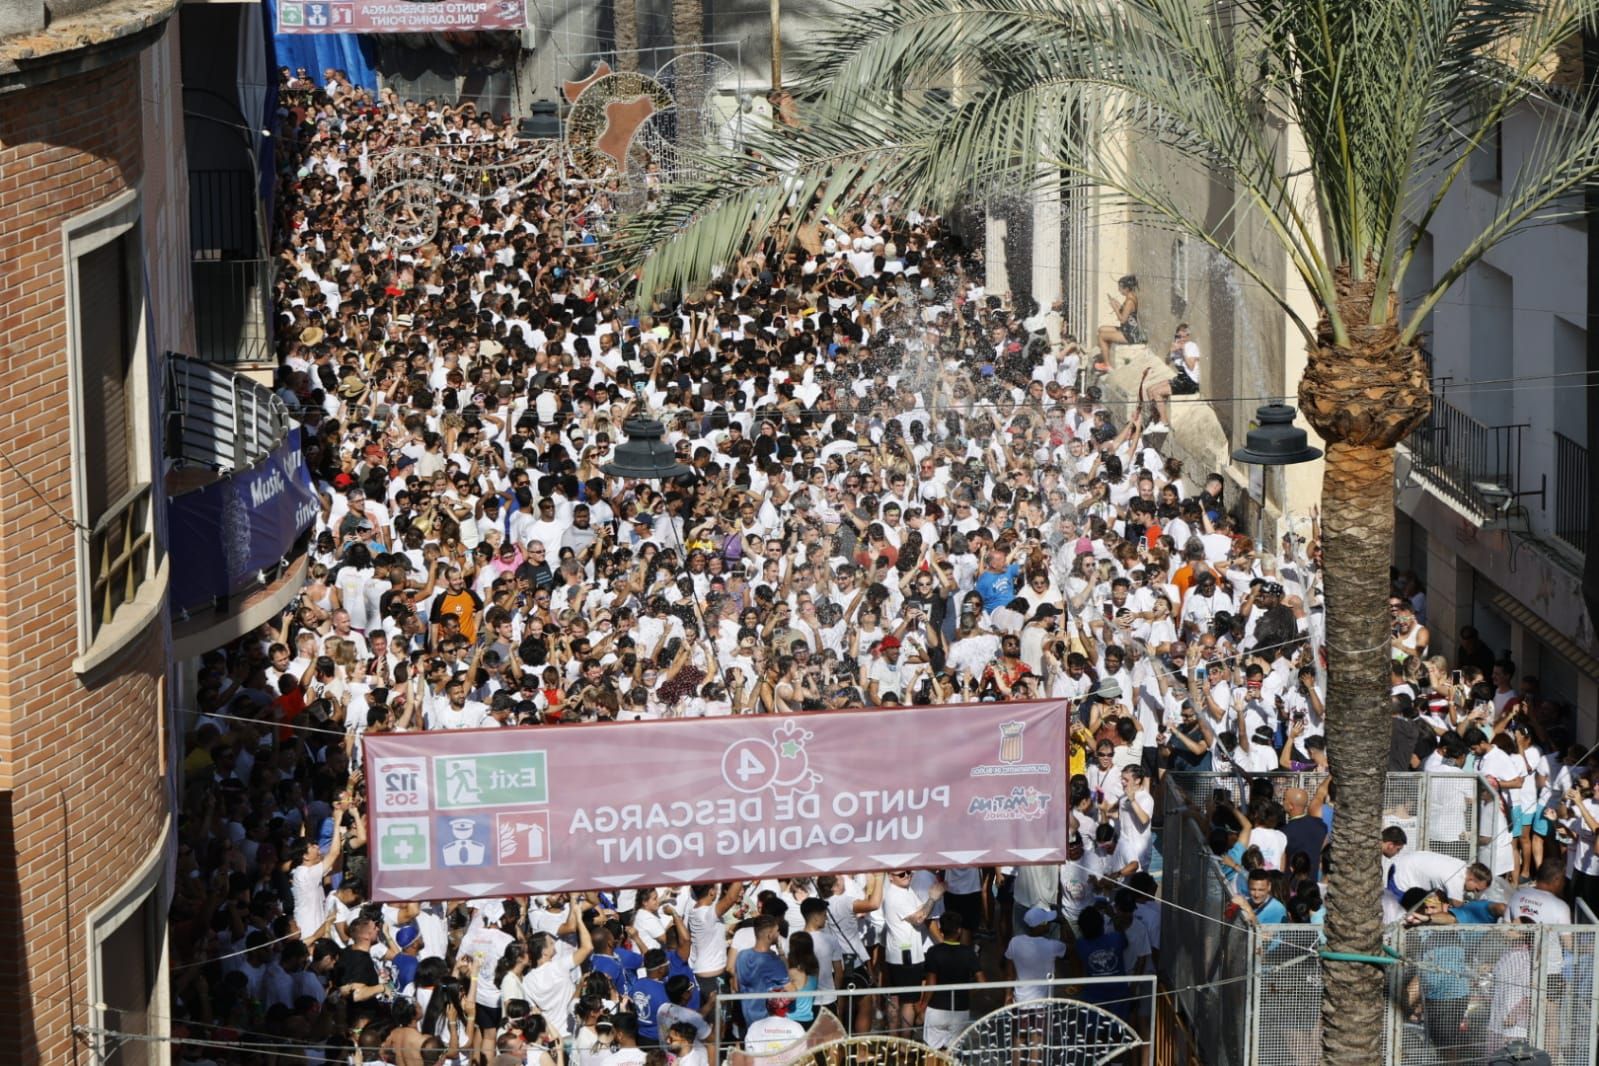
(352, 53)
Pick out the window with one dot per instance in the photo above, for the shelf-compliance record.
(128, 967)
(112, 455)
(1487, 163)
(130, 963)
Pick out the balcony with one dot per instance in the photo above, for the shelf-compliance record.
(1476, 466)
(1571, 494)
(232, 282)
(239, 503)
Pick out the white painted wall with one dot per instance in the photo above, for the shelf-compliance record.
(1543, 272)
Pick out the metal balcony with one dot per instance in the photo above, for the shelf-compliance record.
(239, 502)
(232, 279)
(1477, 466)
(1571, 493)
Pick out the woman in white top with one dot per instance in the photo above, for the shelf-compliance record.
(451, 1012)
(548, 983)
(508, 974)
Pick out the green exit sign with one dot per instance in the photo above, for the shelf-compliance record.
(498, 779)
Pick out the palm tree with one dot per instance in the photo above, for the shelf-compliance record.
(624, 13)
(1392, 98)
(688, 24)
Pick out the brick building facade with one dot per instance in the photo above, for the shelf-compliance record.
(85, 795)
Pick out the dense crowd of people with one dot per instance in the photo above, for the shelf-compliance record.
(902, 489)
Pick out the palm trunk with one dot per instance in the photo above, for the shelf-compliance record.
(1357, 545)
(1363, 397)
(624, 13)
(688, 24)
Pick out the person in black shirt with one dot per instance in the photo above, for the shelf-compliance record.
(1405, 738)
(949, 962)
(1305, 829)
(1187, 747)
(356, 974)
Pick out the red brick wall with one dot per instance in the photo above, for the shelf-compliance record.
(87, 802)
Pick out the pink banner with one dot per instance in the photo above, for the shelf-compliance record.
(399, 16)
(491, 812)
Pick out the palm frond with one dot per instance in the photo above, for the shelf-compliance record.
(1391, 100)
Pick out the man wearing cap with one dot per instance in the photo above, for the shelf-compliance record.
(1033, 956)
(888, 676)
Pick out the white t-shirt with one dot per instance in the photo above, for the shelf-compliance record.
(549, 988)
(1430, 870)
(1526, 794)
(1034, 958)
(902, 943)
(1584, 857)
(827, 953)
(707, 940)
(1532, 904)
(772, 1034)
(309, 902)
(1272, 844)
(1501, 767)
(1136, 843)
(1180, 359)
(650, 927)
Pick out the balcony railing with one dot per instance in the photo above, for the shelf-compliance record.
(218, 419)
(239, 497)
(1459, 455)
(1571, 493)
(232, 313)
(222, 215)
(232, 282)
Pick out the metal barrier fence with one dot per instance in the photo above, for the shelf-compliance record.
(1459, 994)
(1463, 992)
(1438, 811)
(1058, 1031)
(1205, 960)
(1285, 996)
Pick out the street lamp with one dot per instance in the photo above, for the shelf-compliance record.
(644, 456)
(1275, 441)
(543, 122)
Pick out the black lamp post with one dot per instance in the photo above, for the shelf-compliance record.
(644, 456)
(543, 122)
(1275, 441)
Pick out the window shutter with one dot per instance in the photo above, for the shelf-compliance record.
(106, 336)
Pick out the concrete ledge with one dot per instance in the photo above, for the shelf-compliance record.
(1196, 436)
(79, 44)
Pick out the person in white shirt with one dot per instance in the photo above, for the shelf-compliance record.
(310, 904)
(708, 936)
(1404, 869)
(548, 984)
(1031, 956)
(648, 925)
(1541, 902)
(1136, 813)
(685, 1046)
(456, 711)
(904, 915)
